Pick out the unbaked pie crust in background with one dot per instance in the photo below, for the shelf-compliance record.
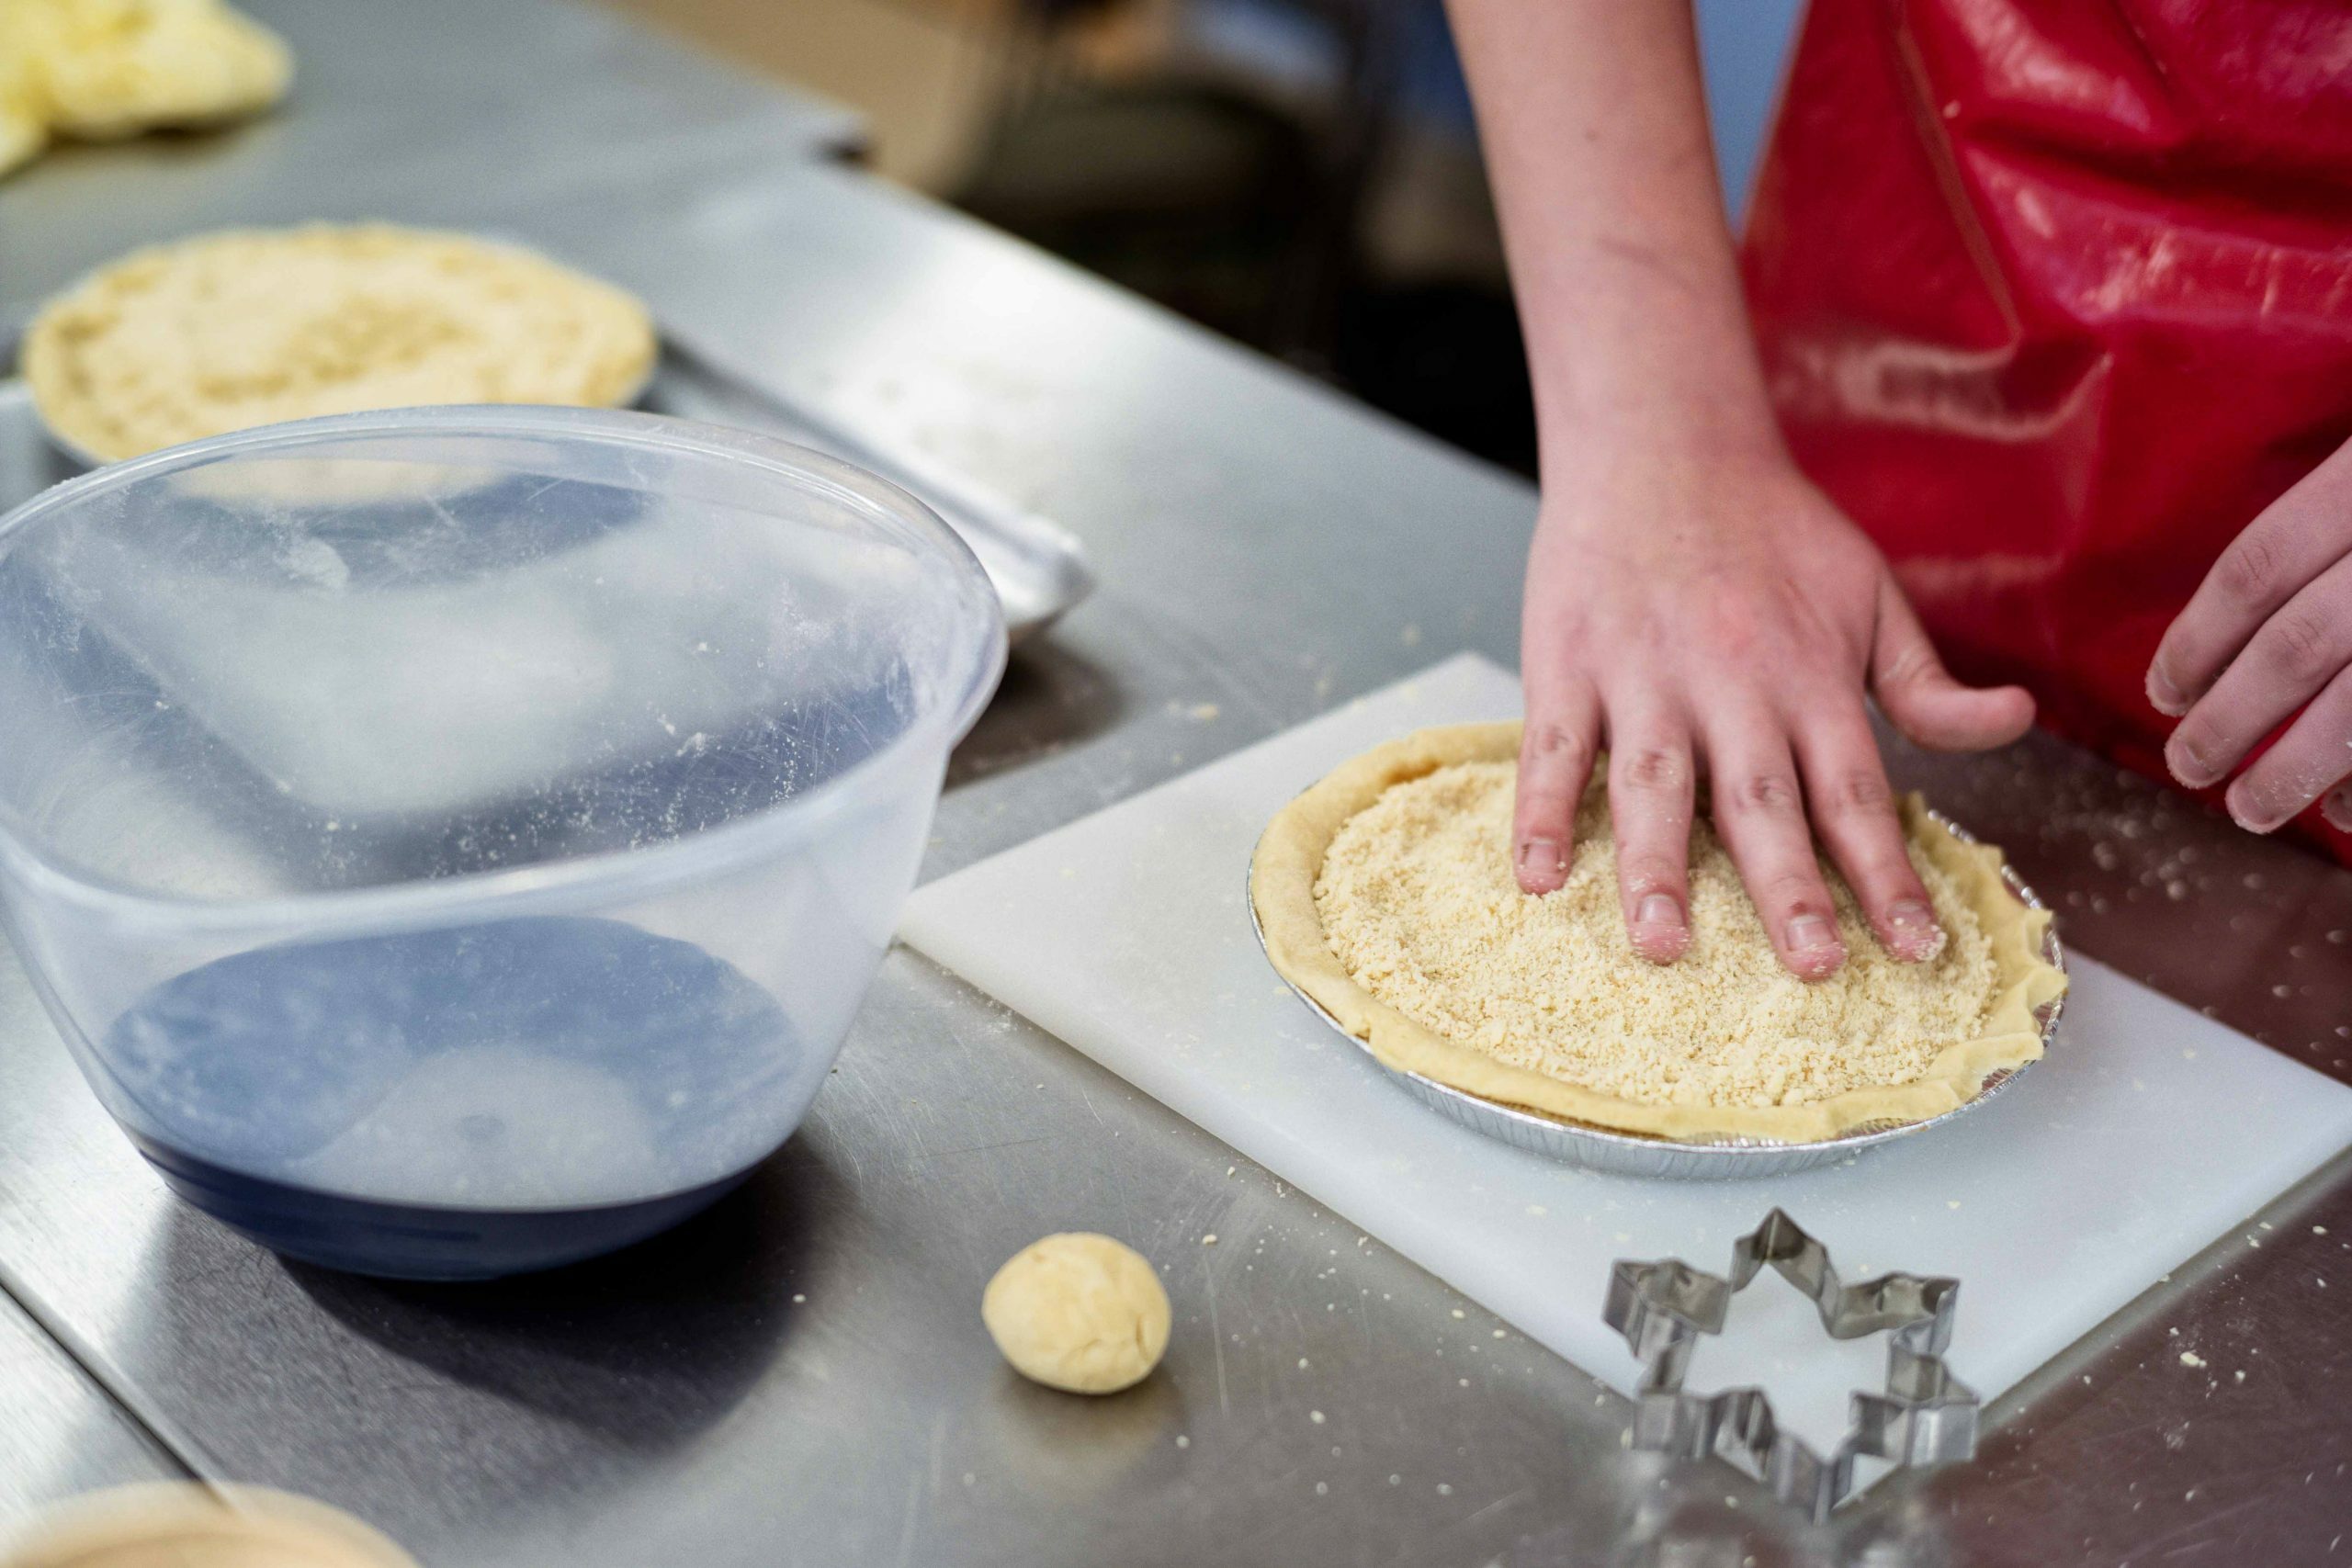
(228, 330)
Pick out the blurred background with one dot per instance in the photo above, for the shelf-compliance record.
(1301, 175)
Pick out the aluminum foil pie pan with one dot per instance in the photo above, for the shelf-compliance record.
(1715, 1159)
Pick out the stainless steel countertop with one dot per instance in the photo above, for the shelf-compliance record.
(430, 111)
(60, 1433)
(802, 1376)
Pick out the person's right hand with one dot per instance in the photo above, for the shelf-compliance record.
(1725, 617)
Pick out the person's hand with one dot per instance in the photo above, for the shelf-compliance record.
(2267, 632)
(1724, 616)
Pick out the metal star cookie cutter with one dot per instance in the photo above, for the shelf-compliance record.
(1925, 1415)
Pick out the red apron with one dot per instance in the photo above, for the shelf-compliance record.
(2055, 296)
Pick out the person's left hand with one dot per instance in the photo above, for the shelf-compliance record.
(2269, 631)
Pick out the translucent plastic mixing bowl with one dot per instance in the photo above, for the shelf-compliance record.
(456, 841)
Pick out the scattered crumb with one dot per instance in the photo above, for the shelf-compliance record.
(1443, 1490)
(1498, 1334)
(1316, 1417)
(1209, 1240)
(1182, 1441)
(1322, 1489)
(1952, 1202)
(2192, 1358)
(1459, 1313)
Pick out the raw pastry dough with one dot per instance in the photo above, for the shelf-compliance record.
(103, 69)
(1290, 860)
(24, 117)
(180, 1525)
(1078, 1312)
(250, 327)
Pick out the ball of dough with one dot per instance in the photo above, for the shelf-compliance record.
(1078, 1312)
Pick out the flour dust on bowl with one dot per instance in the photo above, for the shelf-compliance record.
(456, 842)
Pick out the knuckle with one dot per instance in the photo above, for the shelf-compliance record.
(1764, 795)
(1860, 792)
(1793, 892)
(1734, 625)
(2299, 645)
(1651, 768)
(1545, 808)
(1887, 878)
(1648, 872)
(2248, 569)
(1908, 664)
(1556, 743)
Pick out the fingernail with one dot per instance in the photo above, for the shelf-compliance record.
(2337, 809)
(1807, 932)
(1657, 909)
(2187, 766)
(1917, 935)
(2164, 696)
(1541, 853)
(2243, 810)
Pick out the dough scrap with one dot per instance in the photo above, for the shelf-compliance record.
(250, 327)
(100, 70)
(24, 117)
(1749, 1051)
(1078, 1312)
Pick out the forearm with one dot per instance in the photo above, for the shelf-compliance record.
(1596, 136)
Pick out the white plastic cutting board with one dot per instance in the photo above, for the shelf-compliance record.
(2147, 1132)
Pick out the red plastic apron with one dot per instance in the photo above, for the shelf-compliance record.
(2055, 296)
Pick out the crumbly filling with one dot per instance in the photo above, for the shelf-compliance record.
(1418, 900)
